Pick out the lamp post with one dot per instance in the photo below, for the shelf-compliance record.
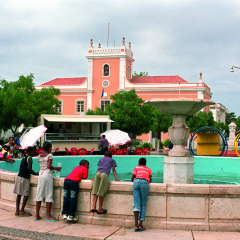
(233, 67)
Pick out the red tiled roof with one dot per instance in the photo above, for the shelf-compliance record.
(158, 79)
(66, 81)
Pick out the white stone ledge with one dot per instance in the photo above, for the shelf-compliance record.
(170, 206)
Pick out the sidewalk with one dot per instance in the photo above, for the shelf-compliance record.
(25, 228)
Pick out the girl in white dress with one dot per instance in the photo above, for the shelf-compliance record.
(45, 182)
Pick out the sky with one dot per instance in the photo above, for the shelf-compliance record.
(169, 37)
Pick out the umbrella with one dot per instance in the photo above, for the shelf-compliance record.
(32, 136)
(116, 137)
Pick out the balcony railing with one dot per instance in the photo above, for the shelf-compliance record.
(72, 136)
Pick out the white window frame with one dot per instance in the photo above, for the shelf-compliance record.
(82, 100)
(61, 106)
(103, 69)
(104, 99)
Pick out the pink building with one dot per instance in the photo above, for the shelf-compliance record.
(109, 71)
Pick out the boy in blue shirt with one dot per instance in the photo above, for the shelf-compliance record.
(101, 181)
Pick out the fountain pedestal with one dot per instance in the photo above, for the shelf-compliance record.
(178, 165)
(178, 170)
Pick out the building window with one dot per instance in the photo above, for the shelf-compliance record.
(128, 72)
(59, 109)
(104, 103)
(80, 106)
(106, 70)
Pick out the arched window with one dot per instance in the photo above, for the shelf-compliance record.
(128, 72)
(59, 109)
(106, 70)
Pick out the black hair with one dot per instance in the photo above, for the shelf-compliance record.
(1, 142)
(108, 154)
(103, 136)
(142, 161)
(30, 149)
(46, 145)
(83, 162)
(10, 138)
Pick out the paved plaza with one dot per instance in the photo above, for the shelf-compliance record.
(12, 227)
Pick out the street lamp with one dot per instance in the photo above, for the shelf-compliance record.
(233, 67)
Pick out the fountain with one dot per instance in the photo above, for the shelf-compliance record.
(178, 165)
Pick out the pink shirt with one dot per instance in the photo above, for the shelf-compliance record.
(142, 172)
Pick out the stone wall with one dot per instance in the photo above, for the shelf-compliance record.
(169, 206)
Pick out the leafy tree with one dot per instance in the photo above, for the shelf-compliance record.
(21, 103)
(230, 116)
(97, 111)
(237, 122)
(141, 74)
(128, 113)
(161, 122)
(199, 120)
(222, 127)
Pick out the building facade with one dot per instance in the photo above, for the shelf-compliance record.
(110, 71)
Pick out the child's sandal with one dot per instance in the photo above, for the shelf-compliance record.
(136, 230)
(141, 229)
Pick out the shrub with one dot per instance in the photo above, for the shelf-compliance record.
(135, 143)
(166, 142)
(160, 144)
(146, 145)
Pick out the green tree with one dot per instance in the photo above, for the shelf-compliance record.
(141, 74)
(201, 119)
(128, 113)
(161, 122)
(237, 122)
(97, 111)
(230, 116)
(222, 127)
(21, 103)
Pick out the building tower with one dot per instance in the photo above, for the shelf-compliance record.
(107, 70)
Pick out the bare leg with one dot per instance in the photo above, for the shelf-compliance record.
(100, 204)
(24, 203)
(38, 206)
(136, 214)
(95, 198)
(140, 224)
(48, 214)
(18, 199)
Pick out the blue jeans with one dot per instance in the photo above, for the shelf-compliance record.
(70, 195)
(140, 195)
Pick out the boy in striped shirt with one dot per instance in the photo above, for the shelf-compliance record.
(101, 181)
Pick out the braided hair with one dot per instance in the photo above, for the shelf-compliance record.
(46, 145)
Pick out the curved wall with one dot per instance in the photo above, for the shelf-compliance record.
(170, 206)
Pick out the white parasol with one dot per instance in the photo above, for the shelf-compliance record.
(116, 137)
(32, 136)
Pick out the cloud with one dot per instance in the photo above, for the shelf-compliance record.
(51, 39)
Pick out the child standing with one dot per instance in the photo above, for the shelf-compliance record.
(22, 184)
(71, 189)
(141, 176)
(101, 181)
(45, 182)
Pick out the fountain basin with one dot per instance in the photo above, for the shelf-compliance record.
(179, 106)
(170, 206)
